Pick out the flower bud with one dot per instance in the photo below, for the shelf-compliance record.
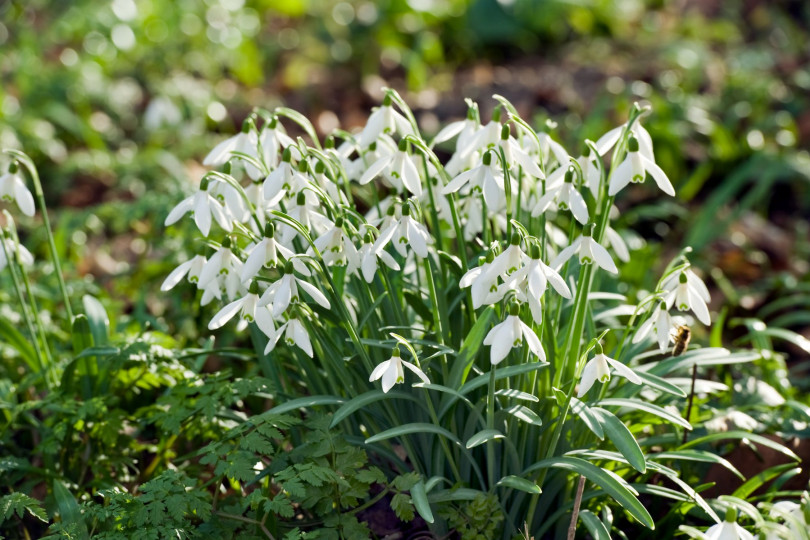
(269, 230)
(632, 144)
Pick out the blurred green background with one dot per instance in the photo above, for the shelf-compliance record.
(118, 101)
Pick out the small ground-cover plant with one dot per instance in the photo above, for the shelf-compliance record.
(459, 277)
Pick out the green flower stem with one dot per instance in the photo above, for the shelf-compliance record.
(445, 447)
(507, 185)
(40, 196)
(491, 425)
(552, 448)
(399, 310)
(28, 322)
(35, 310)
(434, 300)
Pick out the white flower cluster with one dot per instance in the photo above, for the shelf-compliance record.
(287, 216)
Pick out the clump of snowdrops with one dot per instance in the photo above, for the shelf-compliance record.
(462, 318)
(464, 311)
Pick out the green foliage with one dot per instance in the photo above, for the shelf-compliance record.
(478, 519)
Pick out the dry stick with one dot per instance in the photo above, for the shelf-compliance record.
(691, 398)
(572, 528)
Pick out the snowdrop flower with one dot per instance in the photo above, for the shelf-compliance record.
(567, 197)
(25, 256)
(294, 334)
(510, 333)
(223, 265)
(465, 129)
(794, 516)
(609, 139)
(405, 232)
(484, 178)
(634, 169)
(384, 120)
(269, 253)
(368, 256)
(516, 156)
(392, 373)
(285, 291)
(202, 205)
(589, 252)
(660, 324)
(549, 147)
(598, 368)
(272, 139)
(728, 529)
(689, 293)
(483, 284)
(337, 248)
(510, 259)
(328, 185)
(249, 312)
(210, 290)
(193, 267)
(399, 169)
(245, 142)
(531, 281)
(285, 179)
(13, 189)
(305, 212)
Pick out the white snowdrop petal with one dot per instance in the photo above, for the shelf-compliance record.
(220, 153)
(176, 276)
(375, 169)
(620, 177)
(25, 201)
(389, 377)
(624, 371)
(602, 257)
(607, 140)
(219, 214)
(699, 308)
(416, 371)
(565, 254)
(458, 182)
(588, 378)
(185, 206)
(618, 245)
(659, 176)
(378, 371)
(225, 314)
(388, 260)
(264, 320)
(316, 294)
(301, 337)
(410, 177)
(578, 206)
(448, 132)
(533, 341)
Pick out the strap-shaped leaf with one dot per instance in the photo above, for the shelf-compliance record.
(483, 436)
(620, 493)
(420, 501)
(304, 402)
(521, 484)
(654, 410)
(753, 437)
(594, 525)
(373, 396)
(407, 429)
(618, 433)
(699, 455)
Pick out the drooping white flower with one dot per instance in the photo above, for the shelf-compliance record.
(272, 139)
(25, 256)
(245, 142)
(634, 169)
(485, 178)
(203, 205)
(249, 311)
(795, 520)
(223, 265)
(294, 334)
(483, 284)
(13, 189)
(660, 324)
(337, 248)
(368, 256)
(392, 373)
(306, 212)
(609, 139)
(516, 157)
(598, 368)
(687, 291)
(615, 241)
(398, 168)
(269, 253)
(384, 120)
(531, 281)
(405, 232)
(282, 292)
(510, 333)
(191, 267)
(589, 252)
(465, 129)
(285, 179)
(566, 196)
(728, 529)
